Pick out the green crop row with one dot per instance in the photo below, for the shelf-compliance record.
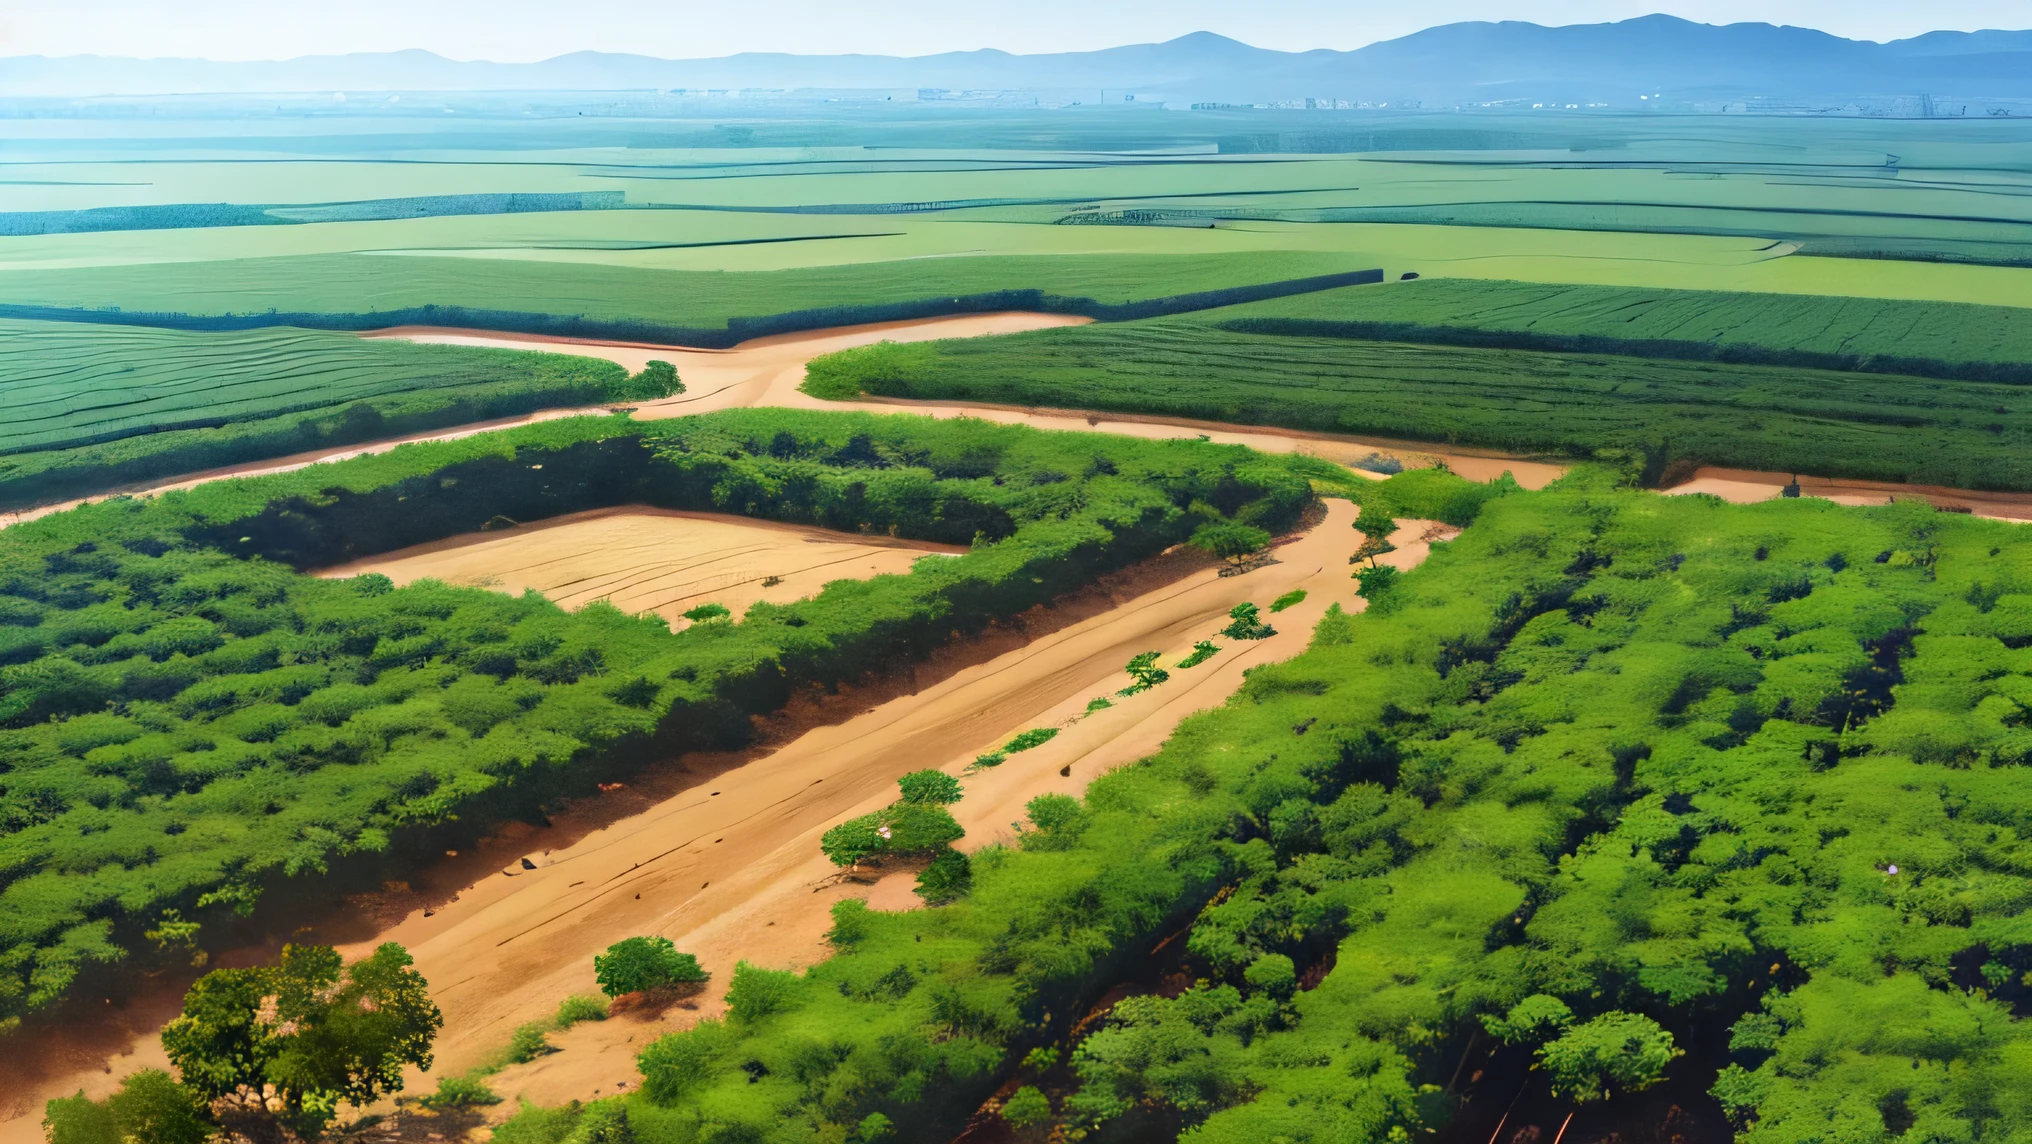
(69, 385)
(188, 720)
(1969, 434)
(1874, 335)
(1748, 781)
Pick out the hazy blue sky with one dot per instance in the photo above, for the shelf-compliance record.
(534, 29)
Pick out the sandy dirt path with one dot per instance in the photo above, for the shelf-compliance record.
(732, 871)
(644, 559)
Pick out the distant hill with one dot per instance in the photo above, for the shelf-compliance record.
(1455, 63)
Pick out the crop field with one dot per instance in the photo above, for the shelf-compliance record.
(1945, 339)
(1889, 427)
(68, 384)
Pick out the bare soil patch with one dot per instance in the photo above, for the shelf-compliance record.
(644, 559)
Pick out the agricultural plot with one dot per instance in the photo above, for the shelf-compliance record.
(68, 384)
(1879, 426)
(1877, 335)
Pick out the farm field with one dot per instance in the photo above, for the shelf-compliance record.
(650, 561)
(1876, 426)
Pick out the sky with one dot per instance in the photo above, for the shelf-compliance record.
(519, 30)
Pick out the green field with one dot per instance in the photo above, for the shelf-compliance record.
(70, 384)
(1887, 427)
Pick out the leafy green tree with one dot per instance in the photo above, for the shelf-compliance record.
(640, 964)
(1376, 580)
(1245, 622)
(79, 1120)
(153, 1108)
(320, 1033)
(1532, 1021)
(658, 379)
(1615, 1052)
(1144, 673)
(852, 840)
(1027, 1107)
(930, 788)
(874, 1127)
(1229, 541)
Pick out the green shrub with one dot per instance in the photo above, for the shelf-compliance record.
(930, 788)
(1144, 674)
(1246, 623)
(949, 876)
(529, 1042)
(1035, 737)
(1201, 652)
(581, 1007)
(1027, 1107)
(1375, 580)
(641, 964)
(1229, 541)
(1289, 599)
(756, 993)
(1615, 1052)
(657, 380)
(678, 1064)
(707, 613)
(461, 1092)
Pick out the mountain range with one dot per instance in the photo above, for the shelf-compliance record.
(1619, 63)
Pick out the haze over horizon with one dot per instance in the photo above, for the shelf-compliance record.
(529, 30)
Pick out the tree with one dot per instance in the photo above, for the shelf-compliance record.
(321, 1034)
(639, 964)
(1144, 673)
(1616, 1051)
(1027, 1107)
(1229, 541)
(852, 840)
(930, 788)
(658, 379)
(1246, 623)
(1532, 1021)
(1375, 580)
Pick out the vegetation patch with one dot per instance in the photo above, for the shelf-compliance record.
(1614, 773)
(189, 722)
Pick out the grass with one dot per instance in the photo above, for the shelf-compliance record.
(1960, 433)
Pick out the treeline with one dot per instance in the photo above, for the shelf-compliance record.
(1652, 791)
(188, 723)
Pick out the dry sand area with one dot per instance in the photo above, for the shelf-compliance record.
(657, 560)
(1748, 486)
